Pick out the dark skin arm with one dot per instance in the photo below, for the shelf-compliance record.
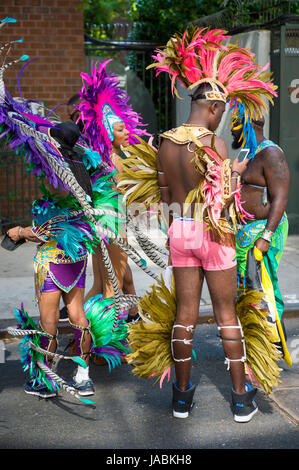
(165, 194)
(237, 167)
(277, 177)
(17, 233)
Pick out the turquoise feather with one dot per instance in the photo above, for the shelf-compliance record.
(9, 20)
(79, 361)
(88, 402)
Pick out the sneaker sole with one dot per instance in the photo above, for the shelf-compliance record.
(40, 394)
(177, 414)
(245, 419)
(85, 394)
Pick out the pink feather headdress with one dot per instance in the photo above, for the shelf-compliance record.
(102, 103)
(199, 56)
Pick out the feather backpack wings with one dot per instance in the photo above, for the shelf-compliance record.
(29, 135)
(138, 181)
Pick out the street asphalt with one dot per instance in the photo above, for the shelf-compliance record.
(131, 413)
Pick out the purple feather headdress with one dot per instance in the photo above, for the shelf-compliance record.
(103, 101)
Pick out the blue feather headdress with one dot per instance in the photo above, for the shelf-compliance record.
(240, 121)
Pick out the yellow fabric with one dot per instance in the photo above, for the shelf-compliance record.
(268, 288)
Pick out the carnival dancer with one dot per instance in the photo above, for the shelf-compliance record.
(66, 230)
(99, 270)
(109, 124)
(195, 177)
(265, 189)
(56, 275)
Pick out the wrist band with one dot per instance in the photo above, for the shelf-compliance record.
(235, 171)
(267, 235)
(20, 232)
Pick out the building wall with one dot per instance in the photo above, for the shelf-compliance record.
(53, 32)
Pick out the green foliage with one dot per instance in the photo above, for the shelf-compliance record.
(99, 15)
(159, 19)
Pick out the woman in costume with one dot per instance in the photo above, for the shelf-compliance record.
(68, 228)
(57, 274)
(109, 125)
(196, 58)
(251, 265)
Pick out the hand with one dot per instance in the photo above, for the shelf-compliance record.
(14, 233)
(239, 166)
(262, 245)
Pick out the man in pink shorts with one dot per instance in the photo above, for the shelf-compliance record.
(191, 246)
(197, 252)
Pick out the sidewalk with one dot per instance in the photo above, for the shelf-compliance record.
(16, 286)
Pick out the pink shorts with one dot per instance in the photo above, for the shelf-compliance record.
(191, 245)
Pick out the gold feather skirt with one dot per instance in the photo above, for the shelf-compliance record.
(150, 339)
(262, 357)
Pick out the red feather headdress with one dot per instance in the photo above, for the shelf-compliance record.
(199, 56)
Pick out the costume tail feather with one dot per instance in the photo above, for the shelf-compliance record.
(150, 339)
(261, 353)
(108, 342)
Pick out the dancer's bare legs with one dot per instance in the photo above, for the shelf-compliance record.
(222, 287)
(74, 303)
(129, 288)
(188, 286)
(49, 316)
(97, 287)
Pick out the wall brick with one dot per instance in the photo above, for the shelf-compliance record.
(53, 31)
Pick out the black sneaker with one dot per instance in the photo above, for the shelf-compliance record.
(84, 388)
(32, 387)
(244, 406)
(182, 401)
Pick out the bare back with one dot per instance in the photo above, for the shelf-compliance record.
(269, 170)
(179, 174)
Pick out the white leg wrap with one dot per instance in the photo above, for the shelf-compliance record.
(227, 359)
(185, 341)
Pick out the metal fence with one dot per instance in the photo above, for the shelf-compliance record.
(248, 14)
(284, 115)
